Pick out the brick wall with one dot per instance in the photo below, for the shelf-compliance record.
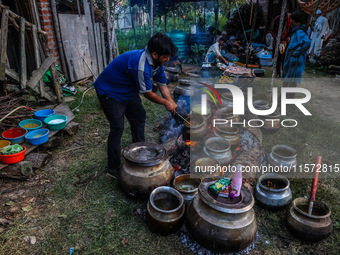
(46, 21)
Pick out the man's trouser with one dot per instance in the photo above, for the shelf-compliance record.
(114, 112)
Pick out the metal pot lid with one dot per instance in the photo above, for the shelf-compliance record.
(185, 82)
(172, 69)
(245, 204)
(145, 153)
(225, 129)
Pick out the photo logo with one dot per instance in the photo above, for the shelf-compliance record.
(238, 100)
(204, 97)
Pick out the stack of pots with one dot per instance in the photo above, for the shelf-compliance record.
(226, 113)
(229, 133)
(227, 99)
(218, 226)
(271, 122)
(197, 108)
(146, 167)
(219, 149)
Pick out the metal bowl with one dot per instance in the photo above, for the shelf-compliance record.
(278, 196)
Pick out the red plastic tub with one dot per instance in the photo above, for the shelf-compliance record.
(15, 135)
(13, 158)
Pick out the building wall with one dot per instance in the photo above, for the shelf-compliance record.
(46, 21)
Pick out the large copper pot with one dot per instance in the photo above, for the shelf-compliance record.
(165, 210)
(313, 227)
(146, 167)
(229, 133)
(271, 123)
(218, 226)
(197, 127)
(226, 113)
(282, 156)
(219, 149)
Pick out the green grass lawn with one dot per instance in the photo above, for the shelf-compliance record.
(97, 218)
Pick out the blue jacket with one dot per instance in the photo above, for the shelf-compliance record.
(129, 74)
(294, 65)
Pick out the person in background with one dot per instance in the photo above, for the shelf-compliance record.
(118, 88)
(320, 29)
(223, 34)
(231, 45)
(308, 28)
(285, 37)
(295, 59)
(214, 52)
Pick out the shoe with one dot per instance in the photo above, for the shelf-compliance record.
(113, 173)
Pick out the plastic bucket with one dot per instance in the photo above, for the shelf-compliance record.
(42, 114)
(4, 143)
(58, 125)
(15, 135)
(266, 60)
(13, 158)
(38, 136)
(26, 124)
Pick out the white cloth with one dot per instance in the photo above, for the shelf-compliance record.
(321, 28)
(214, 48)
(269, 41)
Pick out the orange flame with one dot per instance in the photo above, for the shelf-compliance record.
(190, 143)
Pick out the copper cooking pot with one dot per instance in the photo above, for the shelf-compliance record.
(218, 226)
(146, 167)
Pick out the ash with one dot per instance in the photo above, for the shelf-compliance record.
(249, 140)
(181, 160)
(189, 242)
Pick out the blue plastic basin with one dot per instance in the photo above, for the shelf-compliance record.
(38, 136)
(23, 123)
(42, 114)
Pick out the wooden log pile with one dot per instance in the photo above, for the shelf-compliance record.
(9, 103)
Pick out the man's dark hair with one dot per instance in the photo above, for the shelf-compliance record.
(296, 16)
(223, 39)
(162, 45)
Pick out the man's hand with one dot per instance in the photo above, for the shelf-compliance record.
(170, 106)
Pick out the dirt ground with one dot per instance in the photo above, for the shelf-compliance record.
(325, 97)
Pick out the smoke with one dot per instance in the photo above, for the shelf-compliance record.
(172, 128)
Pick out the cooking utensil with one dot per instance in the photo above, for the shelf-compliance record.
(314, 184)
(183, 118)
(300, 149)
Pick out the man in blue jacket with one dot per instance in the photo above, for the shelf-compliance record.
(118, 88)
(295, 59)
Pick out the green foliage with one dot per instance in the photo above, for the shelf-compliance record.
(198, 54)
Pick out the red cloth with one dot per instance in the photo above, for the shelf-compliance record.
(286, 32)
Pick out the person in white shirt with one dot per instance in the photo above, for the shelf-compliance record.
(214, 53)
(321, 28)
(224, 34)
